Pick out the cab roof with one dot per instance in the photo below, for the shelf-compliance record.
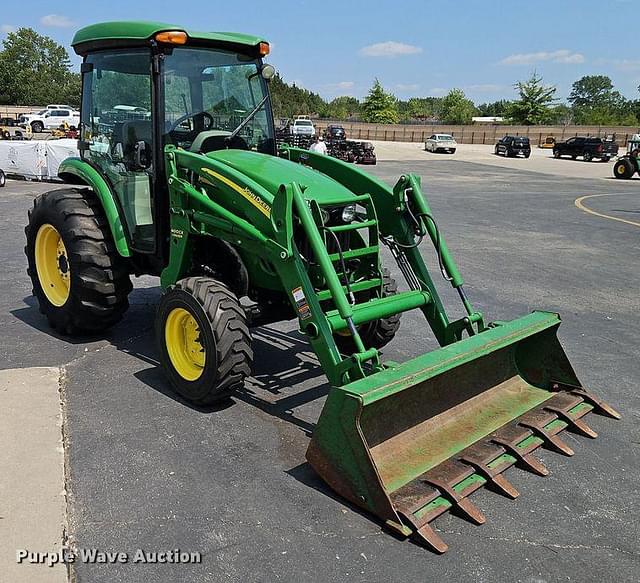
(137, 33)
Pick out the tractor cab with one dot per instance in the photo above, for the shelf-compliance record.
(145, 88)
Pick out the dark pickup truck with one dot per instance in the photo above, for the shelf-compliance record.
(588, 148)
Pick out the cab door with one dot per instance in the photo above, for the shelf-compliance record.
(117, 135)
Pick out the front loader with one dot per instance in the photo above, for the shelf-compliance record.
(179, 176)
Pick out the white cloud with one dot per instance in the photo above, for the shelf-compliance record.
(438, 91)
(7, 28)
(562, 56)
(627, 65)
(389, 49)
(339, 86)
(485, 88)
(407, 86)
(57, 21)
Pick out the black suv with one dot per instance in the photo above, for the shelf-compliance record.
(335, 132)
(588, 148)
(513, 146)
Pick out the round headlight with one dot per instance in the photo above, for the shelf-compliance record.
(348, 213)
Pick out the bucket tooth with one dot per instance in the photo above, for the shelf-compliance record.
(478, 457)
(427, 536)
(444, 477)
(598, 405)
(537, 420)
(509, 437)
(575, 424)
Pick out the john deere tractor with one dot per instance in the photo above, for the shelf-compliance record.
(629, 164)
(179, 177)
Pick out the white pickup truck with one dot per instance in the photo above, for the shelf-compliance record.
(48, 119)
(302, 126)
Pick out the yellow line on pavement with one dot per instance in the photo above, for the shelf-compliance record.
(586, 209)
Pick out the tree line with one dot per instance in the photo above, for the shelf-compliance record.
(593, 101)
(35, 70)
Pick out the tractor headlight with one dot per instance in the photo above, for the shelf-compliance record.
(348, 213)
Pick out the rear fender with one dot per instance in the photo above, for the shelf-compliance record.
(77, 171)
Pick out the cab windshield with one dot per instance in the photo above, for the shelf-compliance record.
(208, 94)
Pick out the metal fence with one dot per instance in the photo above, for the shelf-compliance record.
(475, 134)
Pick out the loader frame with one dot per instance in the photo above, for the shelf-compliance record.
(194, 214)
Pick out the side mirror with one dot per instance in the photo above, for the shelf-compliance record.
(142, 155)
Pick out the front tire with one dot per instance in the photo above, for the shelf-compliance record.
(378, 333)
(37, 127)
(204, 340)
(3, 179)
(623, 169)
(78, 277)
(587, 157)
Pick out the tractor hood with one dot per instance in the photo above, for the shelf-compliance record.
(270, 172)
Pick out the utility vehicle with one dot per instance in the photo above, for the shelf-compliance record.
(198, 195)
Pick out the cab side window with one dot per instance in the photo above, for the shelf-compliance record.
(117, 129)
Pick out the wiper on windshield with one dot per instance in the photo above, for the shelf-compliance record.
(246, 120)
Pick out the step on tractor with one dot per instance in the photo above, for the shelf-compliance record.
(197, 193)
(629, 164)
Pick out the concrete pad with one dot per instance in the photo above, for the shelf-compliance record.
(32, 496)
(540, 161)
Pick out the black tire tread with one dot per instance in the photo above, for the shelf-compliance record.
(100, 276)
(234, 354)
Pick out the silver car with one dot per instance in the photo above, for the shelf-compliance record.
(441, 143)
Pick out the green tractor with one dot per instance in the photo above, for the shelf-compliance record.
(179, 177)
(628, 165)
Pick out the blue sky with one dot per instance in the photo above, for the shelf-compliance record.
(415, 48)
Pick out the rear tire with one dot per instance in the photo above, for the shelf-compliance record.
(78, 277)
(380, 332)
(204, 340)
(624, 169)
(3, 179)
(587, 157)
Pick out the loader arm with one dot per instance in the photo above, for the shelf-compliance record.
(407, 441)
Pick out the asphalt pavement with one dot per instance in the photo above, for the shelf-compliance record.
(148, 471)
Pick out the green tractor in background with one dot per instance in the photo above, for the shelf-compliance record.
(628, 165)
(179, 177)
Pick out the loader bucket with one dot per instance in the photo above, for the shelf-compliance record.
(413, 441)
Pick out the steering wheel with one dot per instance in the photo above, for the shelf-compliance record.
(207, 121)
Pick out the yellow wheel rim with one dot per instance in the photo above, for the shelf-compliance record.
(52, 265)
(620, 168)
(182, 338)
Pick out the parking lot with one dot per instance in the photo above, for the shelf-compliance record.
(144, 469)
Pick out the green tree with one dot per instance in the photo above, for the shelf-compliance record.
(560, 114)
(290, 100)
(498, 108)
(35, 70)
(380, 106)
(535, 104)
(455, 108)
(342, 108)
(423, 107)
(595, 101)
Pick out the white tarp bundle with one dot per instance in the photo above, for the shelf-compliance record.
(26, 158)
(38, 159)
(57, 151)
